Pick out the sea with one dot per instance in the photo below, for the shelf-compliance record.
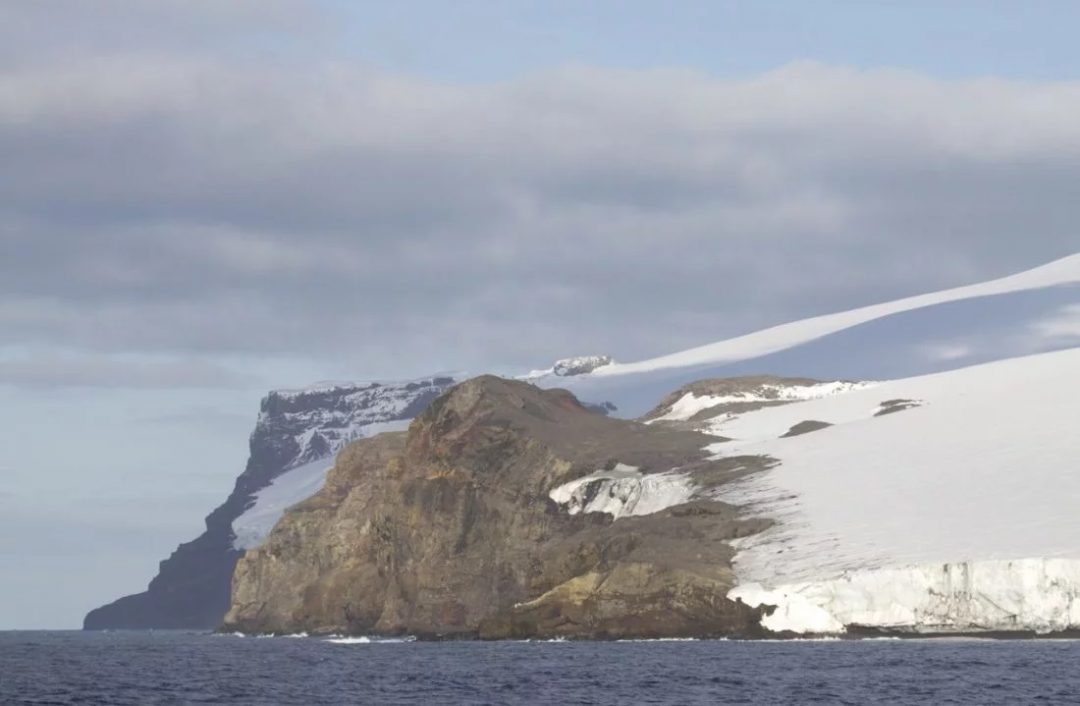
(145, 668)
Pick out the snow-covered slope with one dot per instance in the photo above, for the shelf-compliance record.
(939, 503)
(270, 503)
(691, 403)
(1030, 312)
(940, 500)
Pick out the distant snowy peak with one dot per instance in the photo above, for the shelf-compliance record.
(569, 367)
(580, 365)
(315, 422)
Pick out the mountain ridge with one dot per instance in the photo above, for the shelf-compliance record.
(946, 330)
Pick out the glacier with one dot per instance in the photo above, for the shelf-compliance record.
(955, 514)
(934, 505)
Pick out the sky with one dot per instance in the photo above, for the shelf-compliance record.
(201, 201)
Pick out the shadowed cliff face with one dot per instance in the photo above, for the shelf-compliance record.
(449, 530)
(192, 587)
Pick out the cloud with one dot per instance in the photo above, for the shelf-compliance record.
(88, 371)
(205, 417)
(1063, 325)
(947, 351)
(51, 30)
(207, 205)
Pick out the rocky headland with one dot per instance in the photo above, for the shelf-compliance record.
(470, 525)
(294, 427)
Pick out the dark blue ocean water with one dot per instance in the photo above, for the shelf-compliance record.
(185, 668)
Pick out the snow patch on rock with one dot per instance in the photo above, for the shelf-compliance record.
(624, 491)
(291, 487)
(690, 404)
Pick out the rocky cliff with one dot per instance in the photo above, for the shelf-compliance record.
(294, 428)
(480, 522)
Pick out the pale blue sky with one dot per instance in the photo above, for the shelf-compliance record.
(501, 39)
(200, 201)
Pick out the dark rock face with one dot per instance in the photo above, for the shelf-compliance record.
(192, 587)
(892, 406)
(805, 427)
(450, 531)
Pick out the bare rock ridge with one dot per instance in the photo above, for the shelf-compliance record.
(451, 530)
(758, 391)
(192, 587)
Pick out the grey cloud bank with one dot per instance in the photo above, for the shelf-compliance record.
(213, 206)
(68, 371)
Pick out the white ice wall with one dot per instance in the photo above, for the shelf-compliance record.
(987, 469)
(1039, 595)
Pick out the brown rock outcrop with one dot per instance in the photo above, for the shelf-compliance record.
(448, 530)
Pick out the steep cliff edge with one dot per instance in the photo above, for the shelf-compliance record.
(477, 522)
(295, 428)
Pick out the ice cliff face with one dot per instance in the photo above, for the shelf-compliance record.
(1037, 596)
(294, 441)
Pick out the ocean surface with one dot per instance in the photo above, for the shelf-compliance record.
(146, 668)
